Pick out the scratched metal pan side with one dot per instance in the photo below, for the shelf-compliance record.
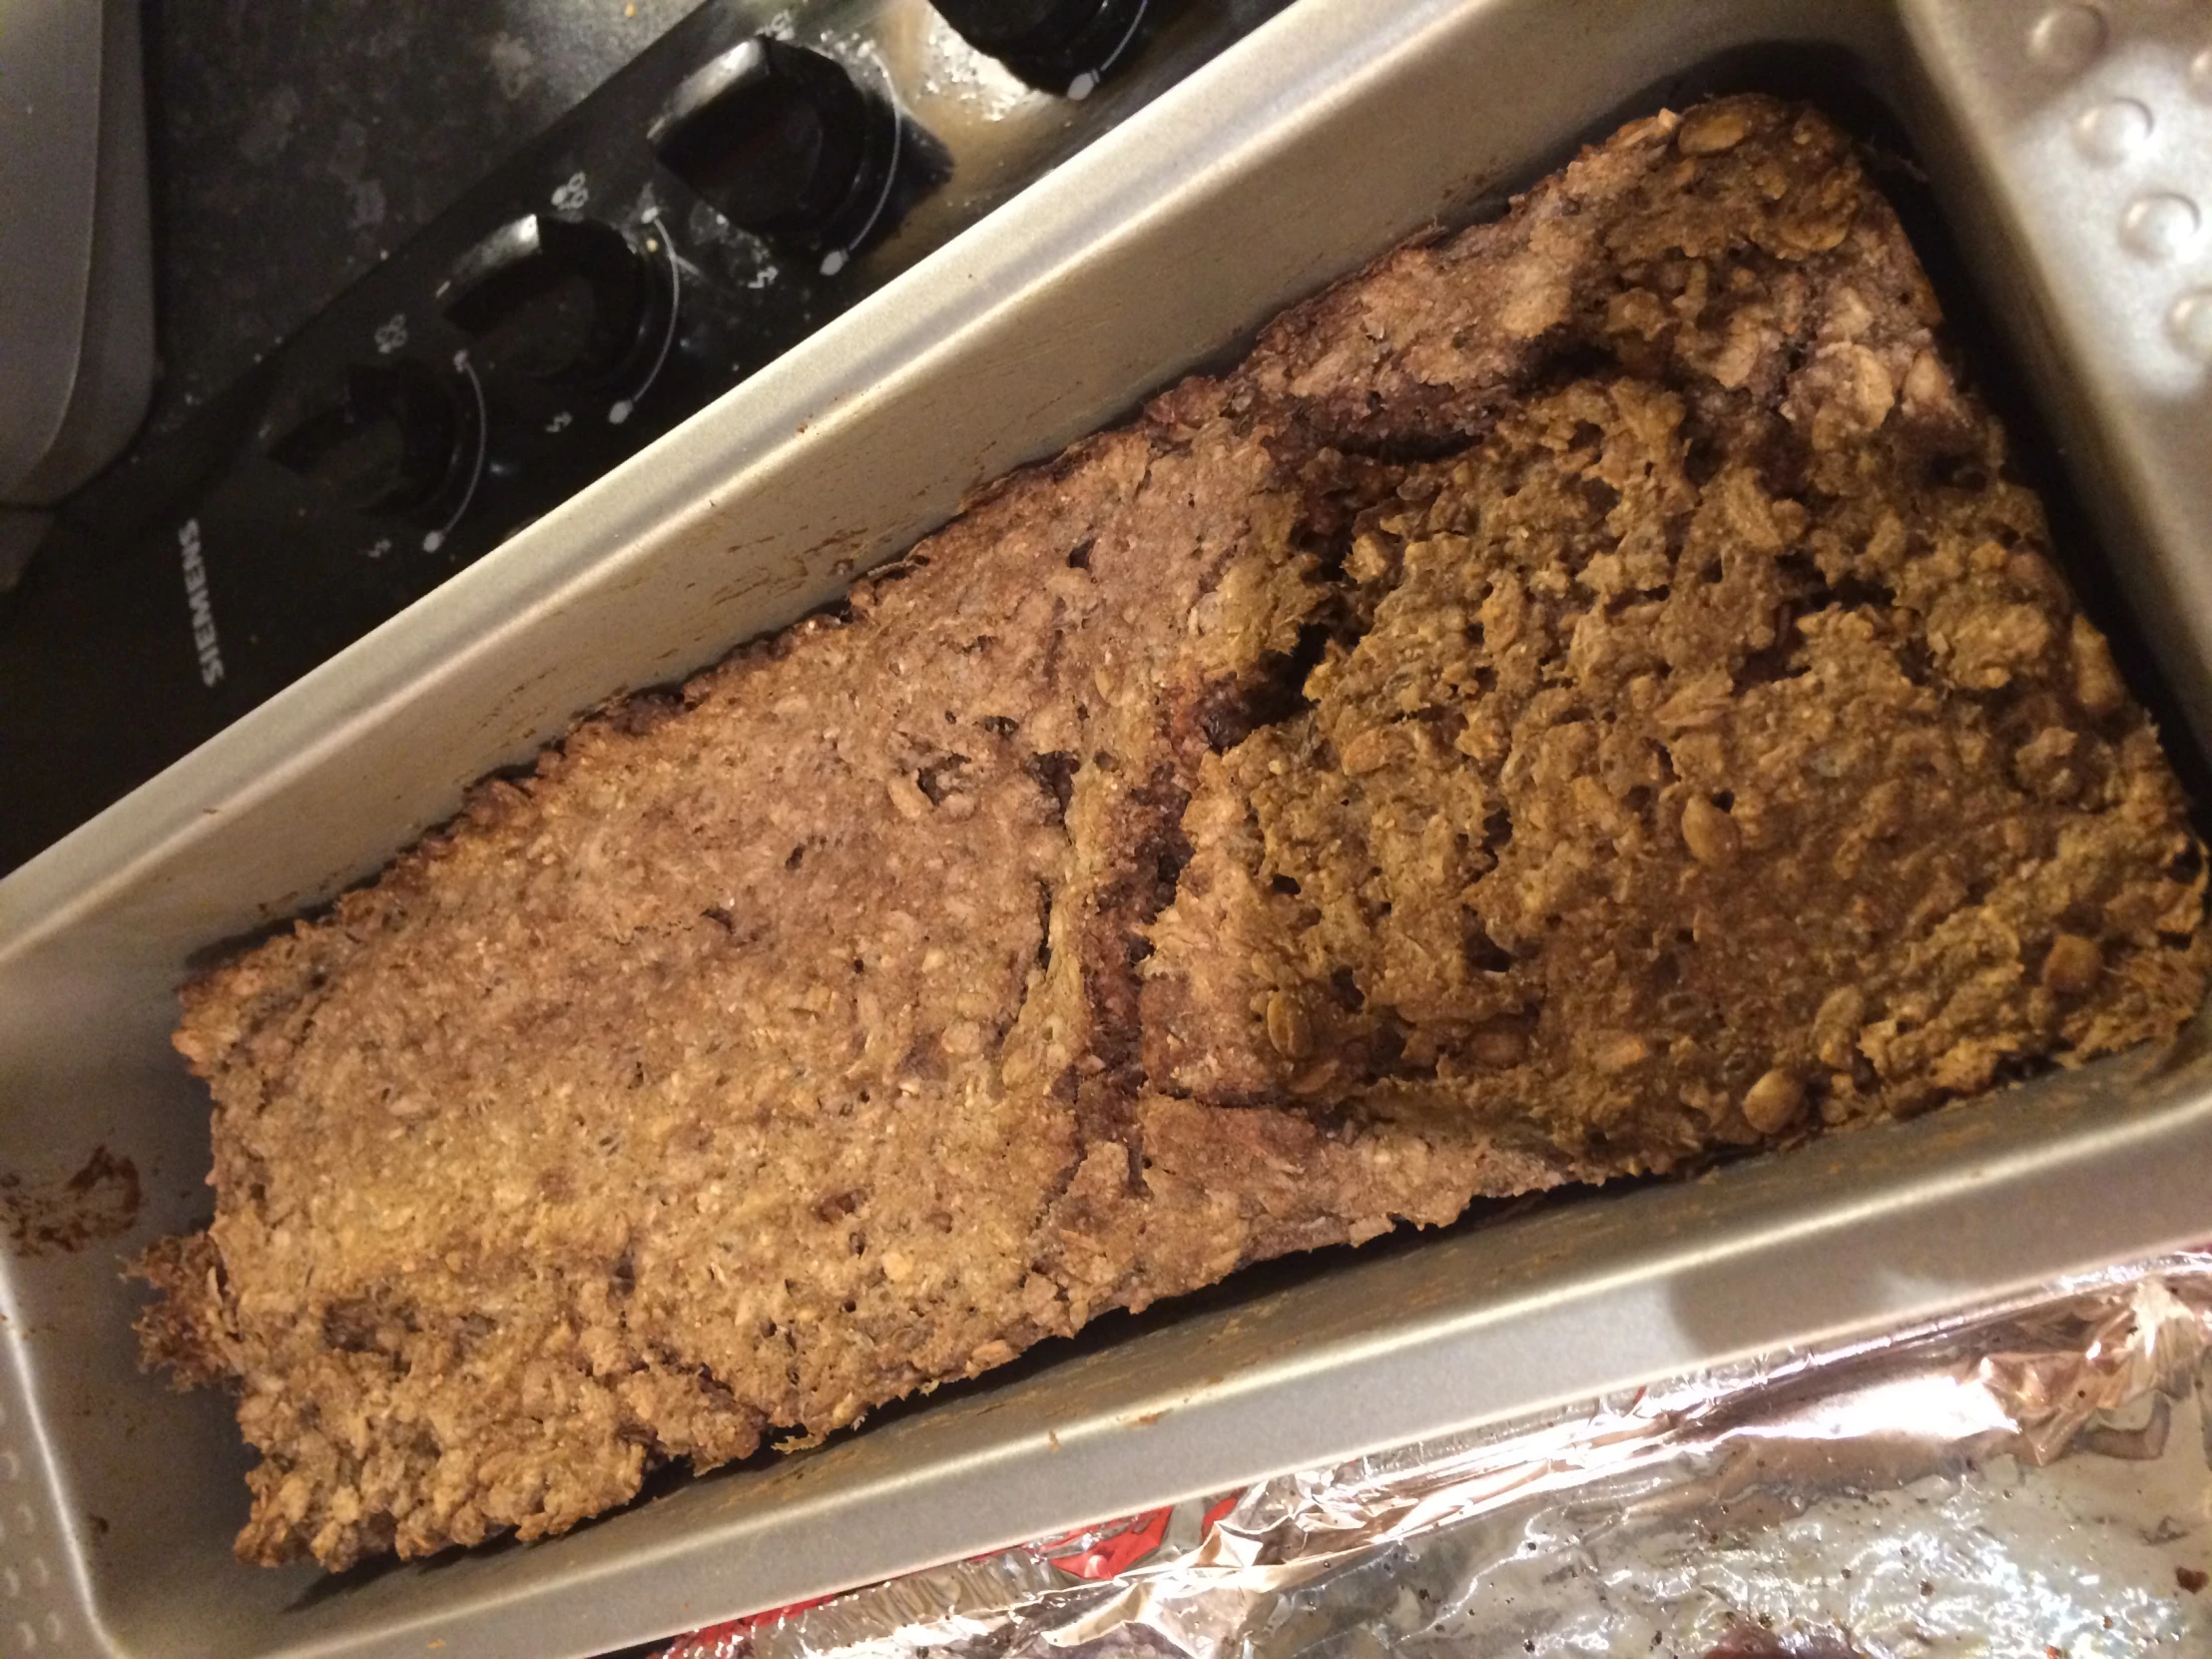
(1337, 128)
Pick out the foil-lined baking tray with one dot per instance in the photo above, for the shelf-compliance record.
(2028, 1477)
(2068, 149)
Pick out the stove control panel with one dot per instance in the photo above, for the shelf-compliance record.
(789, 144)
(758, 169)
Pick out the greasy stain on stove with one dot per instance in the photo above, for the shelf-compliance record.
(753, 173)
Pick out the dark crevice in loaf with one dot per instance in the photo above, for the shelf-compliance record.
(1055, 775)
(1114, 947)
(1228, 712)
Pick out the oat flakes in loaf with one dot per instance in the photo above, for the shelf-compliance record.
(1230, 837)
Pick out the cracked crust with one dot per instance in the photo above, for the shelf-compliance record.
(1520, 862)
(1232, 838)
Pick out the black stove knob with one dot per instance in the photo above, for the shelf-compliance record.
(552, 298)
(780, 142)
(1060, 45)
(387, 445)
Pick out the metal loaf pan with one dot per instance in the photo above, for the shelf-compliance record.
(2071, 154)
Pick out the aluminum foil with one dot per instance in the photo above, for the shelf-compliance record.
(2029, 1478)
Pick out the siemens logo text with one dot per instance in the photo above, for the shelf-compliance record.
(203, 614)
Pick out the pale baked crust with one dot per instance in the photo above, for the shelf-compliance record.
(1700, 745)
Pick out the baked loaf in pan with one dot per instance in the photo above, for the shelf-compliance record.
(1583, 695)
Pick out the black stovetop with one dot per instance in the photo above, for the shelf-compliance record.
(426, 271)
(295, 145)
